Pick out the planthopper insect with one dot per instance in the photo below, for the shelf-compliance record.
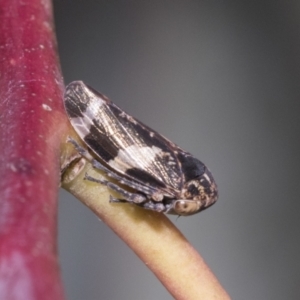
(164, 177)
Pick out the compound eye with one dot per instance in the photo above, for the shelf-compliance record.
(186, 207)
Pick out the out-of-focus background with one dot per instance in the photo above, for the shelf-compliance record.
(221, 79)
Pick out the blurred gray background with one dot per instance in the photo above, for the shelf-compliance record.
(221, 79)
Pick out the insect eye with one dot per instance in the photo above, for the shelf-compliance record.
(186, 207)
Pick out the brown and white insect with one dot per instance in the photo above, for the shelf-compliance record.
(165, 178)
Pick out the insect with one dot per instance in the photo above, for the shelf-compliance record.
(164, 177)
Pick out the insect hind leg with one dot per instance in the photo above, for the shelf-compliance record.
(129, 197)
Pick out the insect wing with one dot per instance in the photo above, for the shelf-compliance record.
(124, 143)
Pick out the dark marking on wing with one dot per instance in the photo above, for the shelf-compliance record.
(100, 144)
(145, 177)
(74, 108)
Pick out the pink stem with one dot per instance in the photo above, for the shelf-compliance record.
(32, 123)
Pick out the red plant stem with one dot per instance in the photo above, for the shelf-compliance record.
(32, 123)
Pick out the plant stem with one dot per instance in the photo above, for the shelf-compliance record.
(152, 236)
(32, 123)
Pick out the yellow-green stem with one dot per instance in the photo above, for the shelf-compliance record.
(153, 237)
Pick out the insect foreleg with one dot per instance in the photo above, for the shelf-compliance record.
(159, 207)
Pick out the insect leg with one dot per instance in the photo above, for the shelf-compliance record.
(159, 207)
(80, 149)
(129, 197)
